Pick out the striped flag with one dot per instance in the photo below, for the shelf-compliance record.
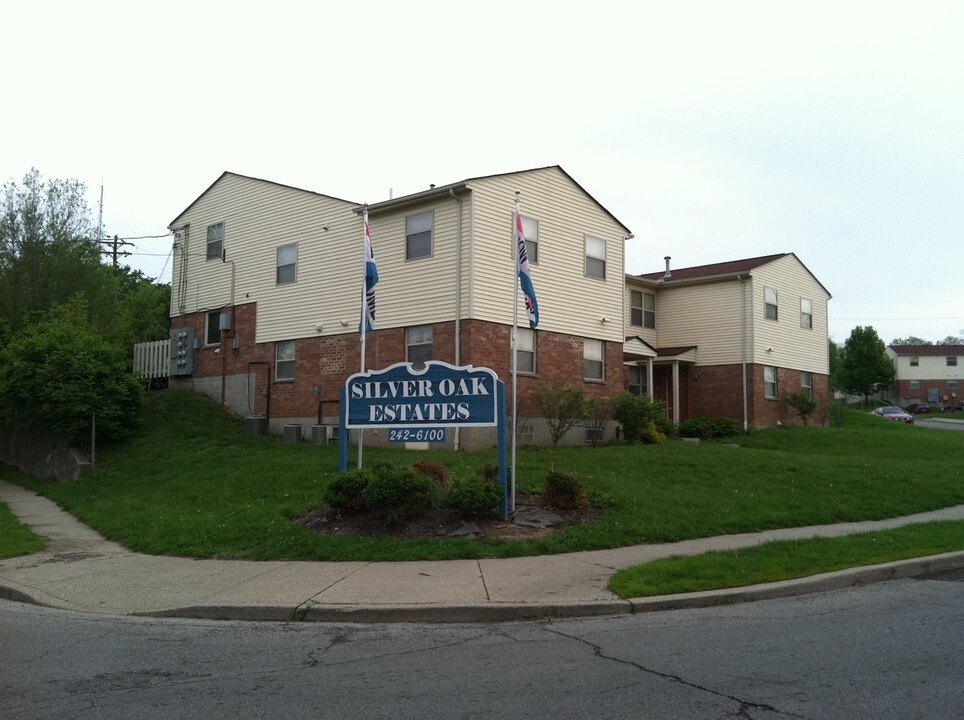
(525, 277)
(371, 279)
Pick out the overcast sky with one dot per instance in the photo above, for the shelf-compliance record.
(713, 130)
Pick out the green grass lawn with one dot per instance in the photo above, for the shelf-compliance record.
(191, 482)
(16, 539)
(785, 560)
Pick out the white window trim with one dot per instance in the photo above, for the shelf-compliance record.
(212, 321)
(278, 265)
(526, 339)
(220, 241)
(292, 361)
(767, 395)
(590, 239)
(588, 343)
(806, 313)
(775, 304)
(409, 344)
(431, 235)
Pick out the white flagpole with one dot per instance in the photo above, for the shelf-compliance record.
(515, 345)
(363, 315)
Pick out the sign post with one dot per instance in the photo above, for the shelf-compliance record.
(419, 405)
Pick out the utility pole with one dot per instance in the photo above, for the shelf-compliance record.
(115, 250)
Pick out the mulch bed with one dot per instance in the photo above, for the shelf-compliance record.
(533, 518)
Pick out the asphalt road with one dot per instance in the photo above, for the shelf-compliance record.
(888, 650)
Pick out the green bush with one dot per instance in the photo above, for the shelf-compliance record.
(489, 471)
(708, 428)
(803, 405)
(633, 412)
(397, 489)
(477, 496)
(434, 470)
(346, 492)
(651, 434)
(61, 371)
(838, 413)
(561, 489)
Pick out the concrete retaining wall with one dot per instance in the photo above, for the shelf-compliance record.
(41, 453)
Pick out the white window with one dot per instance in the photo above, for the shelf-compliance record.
(530, 227)
(418, 235)
(914, 361)
(212, 327)
(287, 264)
(526, 350)
(215, 241)
(806, 383)
(769, 303)
(637, 380)
(642, 309)
(593, 360)
(418, 344)
(595, 257)
(769, 381)
(284, 360)
(952, 361)
(806, 314)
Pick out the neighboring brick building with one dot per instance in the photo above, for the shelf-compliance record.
(730, 339)
(927, 374)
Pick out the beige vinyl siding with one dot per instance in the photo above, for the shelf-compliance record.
(709, 316)
(259, 216)
(930, 367)
(792, 346)
(569, 302)
(419, 291)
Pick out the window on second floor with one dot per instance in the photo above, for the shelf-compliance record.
(952, 361)
(642, 309)
(914, 361)
(418, 344)
(418, 235)
(284, 360)
(593, 360)
(526, 350)
(215, 241)
(806, 314)
(530, 226)
(595, 257)
(769, 303)
(769, 381)
(287, 265)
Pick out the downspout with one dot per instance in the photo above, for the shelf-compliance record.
(458, 296)
(232, 333)
(742, 280)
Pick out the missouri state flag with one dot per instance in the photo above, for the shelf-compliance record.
(525, 277)
(371, 279)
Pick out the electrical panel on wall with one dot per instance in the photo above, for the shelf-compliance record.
(182, 351)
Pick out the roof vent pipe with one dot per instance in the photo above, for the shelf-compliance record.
(667, 274)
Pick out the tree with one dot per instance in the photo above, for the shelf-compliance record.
(912, 340)
(47, 252)
(951, 340)
(561, 406)
(58, 372)
(834, 353)
(864, 365)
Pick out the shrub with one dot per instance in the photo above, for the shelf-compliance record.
(562, 407)
(434, 470)
(346, 492)
(477, 496)
(633, 412)
(838, 413)
(651, 434)
(562, 490)
(489, 471)
(397, 489)
(802, 404)
(708, 428)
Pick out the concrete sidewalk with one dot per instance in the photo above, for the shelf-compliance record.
(80, 570)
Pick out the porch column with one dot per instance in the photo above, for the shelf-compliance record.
(676, 391)
(649, 377)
